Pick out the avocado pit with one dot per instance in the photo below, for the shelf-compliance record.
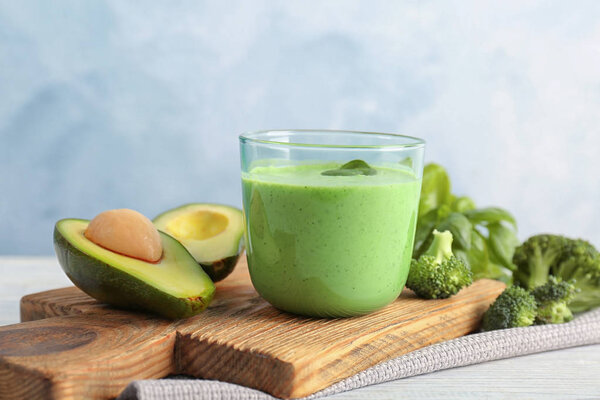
(126, 232)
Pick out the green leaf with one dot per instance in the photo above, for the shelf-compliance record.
(425, 226)
(460, 227)
(463, 255)
(354, 167)
(502, 242)
(480, 261)
(435, 188)
(443, 212)
(407, 161)
(490, 215)
(478, 254)
(463, 204)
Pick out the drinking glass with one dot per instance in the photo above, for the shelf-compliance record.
(330, 217)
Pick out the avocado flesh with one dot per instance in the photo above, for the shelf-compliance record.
(174, 287)
(216, 253)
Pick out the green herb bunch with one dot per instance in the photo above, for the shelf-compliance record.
(484, 238)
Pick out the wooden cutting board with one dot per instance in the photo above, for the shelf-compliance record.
(71, 346)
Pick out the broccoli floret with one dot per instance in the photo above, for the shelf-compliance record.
(552, 299)
(438, 274)
(513, 308)
(568, 259)
(580, 263)
(535, 257)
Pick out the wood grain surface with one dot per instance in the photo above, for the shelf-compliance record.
(79, 348)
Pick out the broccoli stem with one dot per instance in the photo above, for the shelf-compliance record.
(538, 277)
(542, 263)
(441, 246)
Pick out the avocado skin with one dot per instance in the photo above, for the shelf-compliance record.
(219, 270)
(113, 286)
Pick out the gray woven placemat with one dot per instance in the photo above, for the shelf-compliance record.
(471, 349)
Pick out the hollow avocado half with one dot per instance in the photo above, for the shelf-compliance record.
(174, 287)
(212, 233)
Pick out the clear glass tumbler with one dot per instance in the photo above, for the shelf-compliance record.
(330, 217)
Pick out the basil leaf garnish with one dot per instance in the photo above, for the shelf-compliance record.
(354, 167)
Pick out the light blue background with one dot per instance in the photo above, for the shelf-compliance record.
(109, 104)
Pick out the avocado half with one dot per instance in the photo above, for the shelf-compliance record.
(212, 233)
(174, 287)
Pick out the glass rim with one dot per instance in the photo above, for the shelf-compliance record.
(261, 137)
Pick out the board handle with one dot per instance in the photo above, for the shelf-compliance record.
(83, 356)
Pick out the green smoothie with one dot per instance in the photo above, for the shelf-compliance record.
(329, 246)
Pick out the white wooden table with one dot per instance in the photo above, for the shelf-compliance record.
(565, 374)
